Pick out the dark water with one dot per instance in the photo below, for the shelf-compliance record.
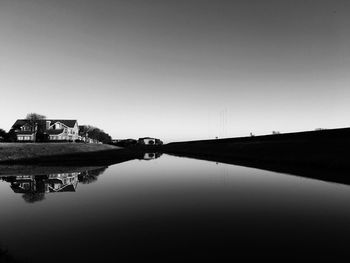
(172, 209)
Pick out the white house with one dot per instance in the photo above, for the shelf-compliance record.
(66, 130)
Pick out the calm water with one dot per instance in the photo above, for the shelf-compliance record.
(172, 209)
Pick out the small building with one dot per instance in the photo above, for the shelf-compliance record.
(149, 141)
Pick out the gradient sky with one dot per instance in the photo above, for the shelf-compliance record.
(180, 69)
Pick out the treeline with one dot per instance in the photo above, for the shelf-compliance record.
(7, 136)
(95, 133)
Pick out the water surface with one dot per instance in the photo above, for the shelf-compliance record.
(172, 209)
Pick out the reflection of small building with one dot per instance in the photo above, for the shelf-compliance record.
(151, 156)
(149, 141)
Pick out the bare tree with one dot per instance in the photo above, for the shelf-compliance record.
(35, 116)
(34, 120)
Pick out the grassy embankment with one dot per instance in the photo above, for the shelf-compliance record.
(61, 153)
(320, 154)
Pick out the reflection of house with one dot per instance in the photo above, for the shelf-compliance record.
(64, 182)
(149, 141)
(55, 130)
(34, 187)
(24, 184)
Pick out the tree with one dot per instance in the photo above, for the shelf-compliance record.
(2, 133)
(11, 136)
(95, 133)
(35, 116)
(35, 122)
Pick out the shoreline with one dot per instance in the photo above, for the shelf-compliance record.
(64, 154)
(319, 155)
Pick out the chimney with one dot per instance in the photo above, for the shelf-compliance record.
(47, 124)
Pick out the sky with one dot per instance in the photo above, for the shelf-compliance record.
(177, 69)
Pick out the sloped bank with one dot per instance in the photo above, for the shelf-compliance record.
(320, 154)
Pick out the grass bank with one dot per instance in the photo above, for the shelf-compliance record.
(61, 154)
(20, 151)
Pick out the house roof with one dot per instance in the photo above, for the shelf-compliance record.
(64, 188)
(54, 132)
(19, 123)
(69, 123)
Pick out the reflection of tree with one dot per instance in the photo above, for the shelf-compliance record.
(32, 197)
(90, 176)
(6, 257)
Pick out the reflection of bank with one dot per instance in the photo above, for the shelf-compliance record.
(151, 156)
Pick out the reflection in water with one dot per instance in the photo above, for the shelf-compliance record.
(151, 156)
(90, 176)
(34, 187)
(172, 210)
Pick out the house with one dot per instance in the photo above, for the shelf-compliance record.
(24, 130)
(63, 182)
(149, 141)
(53, 183)
(54, 130)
